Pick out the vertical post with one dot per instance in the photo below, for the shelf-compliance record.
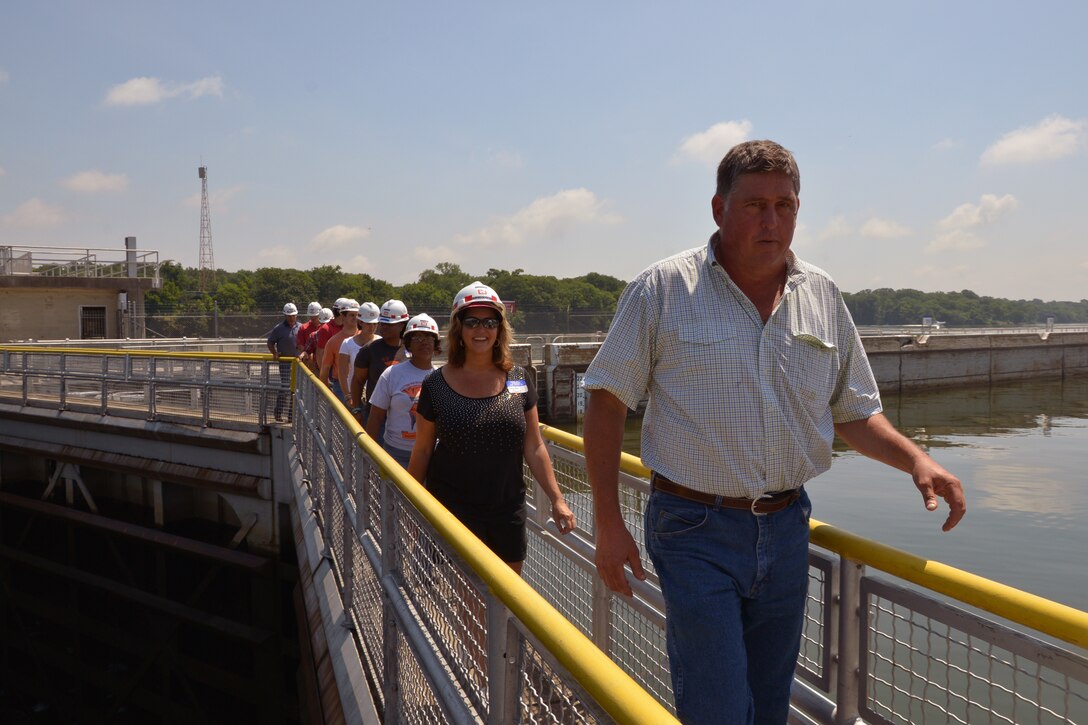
(846, 694)
(391, 673)
(63, 380)
(602, 617)
(502, 663)
(130, 256)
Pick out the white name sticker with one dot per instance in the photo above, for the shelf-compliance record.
(517, 386)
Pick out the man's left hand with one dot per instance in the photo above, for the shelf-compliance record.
(933, 482)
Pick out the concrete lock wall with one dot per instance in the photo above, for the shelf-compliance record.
(899, 362)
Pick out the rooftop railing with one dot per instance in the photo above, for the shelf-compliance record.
(78, 262)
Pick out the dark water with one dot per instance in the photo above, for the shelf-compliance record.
(1021, 451)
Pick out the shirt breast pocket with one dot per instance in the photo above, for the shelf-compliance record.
(812, 366)
(706, 347)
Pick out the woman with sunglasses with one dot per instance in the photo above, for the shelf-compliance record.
(476, 425)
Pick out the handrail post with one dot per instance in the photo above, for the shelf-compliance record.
(602, 617)
(61, 397)
(391, 669)
(849, 657)
(502, 663)
(206, 409)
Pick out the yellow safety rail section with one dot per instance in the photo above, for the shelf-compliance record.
(142, 353)
(1042, 615)
(613, 689)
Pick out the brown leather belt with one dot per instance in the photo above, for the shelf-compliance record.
(767, 504)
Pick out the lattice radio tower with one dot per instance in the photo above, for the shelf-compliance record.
(207, 259)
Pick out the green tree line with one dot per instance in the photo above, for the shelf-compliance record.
(244, 301)
(958, 309)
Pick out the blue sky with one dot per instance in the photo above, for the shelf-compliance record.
(942, 146)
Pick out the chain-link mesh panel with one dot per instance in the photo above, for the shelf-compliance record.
(570, 473)
(43, 389)
(638, 645)
(82, 394)
(924, 661)
(11, 387)
(813, 662)
(85, 364)
(418, 703)
(558, 579)
(366, 611)
(451, 607)
(544, 696)
(122, 396)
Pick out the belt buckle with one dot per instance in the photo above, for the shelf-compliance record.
(757, 500)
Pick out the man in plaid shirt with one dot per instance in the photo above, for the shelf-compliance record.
(752, 364)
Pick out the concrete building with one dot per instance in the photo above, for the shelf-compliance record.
(74, 293)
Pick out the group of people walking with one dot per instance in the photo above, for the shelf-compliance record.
(463, 429)
(752, 365)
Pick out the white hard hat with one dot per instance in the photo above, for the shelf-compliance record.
(290, 309)
(477, 294)
(369, 312)
(421, 323)
(314, 308)
(339, 304)
(393, 311)
(349, 306)
(325, 316)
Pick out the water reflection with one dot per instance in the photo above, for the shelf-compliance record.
(1019, 449)
(1004, 409)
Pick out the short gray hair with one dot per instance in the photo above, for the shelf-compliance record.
(756, 157)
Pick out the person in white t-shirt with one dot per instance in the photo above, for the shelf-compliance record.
(349, 348)
(394, 399)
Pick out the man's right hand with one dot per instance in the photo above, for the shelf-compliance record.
(615, 548)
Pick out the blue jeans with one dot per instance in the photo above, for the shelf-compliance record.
(334, 386)
(735, 587)
(399, 455)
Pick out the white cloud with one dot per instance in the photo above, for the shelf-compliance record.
(945, 143)
(957, 240)
(145, 91)
(217, 198)
(2, 172)
(1054, 137)
(278, 256)
(877, 228)
(357, 265)
(836, 228)
(709, 146)
(958, 233)
(430, 256)
(91, 182)
(34, 214)
(4, 76)
(546, 218)
(337, 237)
(968, 216)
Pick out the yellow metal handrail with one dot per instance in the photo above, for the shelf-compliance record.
(140, 353)
(613, 689)
(1042, 615)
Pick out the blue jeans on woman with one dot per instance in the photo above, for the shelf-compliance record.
(734, 585)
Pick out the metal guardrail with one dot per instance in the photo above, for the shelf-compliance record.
(221, 390)
(882, 650)
(78, 262)
(449, 634)
(445, 629)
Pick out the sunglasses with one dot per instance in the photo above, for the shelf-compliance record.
(489, 323)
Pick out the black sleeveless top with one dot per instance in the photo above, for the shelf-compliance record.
(477, 462)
